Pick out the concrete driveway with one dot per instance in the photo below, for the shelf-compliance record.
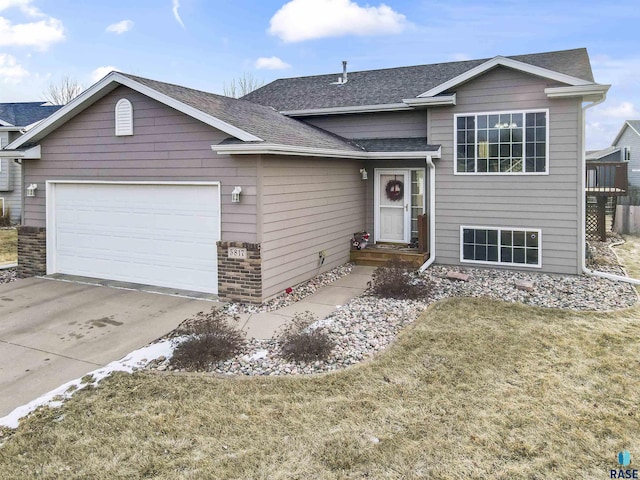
(53, 331)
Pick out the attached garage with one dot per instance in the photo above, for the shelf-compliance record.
(153, 233)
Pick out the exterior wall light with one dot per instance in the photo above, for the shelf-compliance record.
(363, 172)
(31, 190)
(235, 195)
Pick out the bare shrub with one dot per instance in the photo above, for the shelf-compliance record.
(300, 343)
(5, 220)
(212, 338)
(395, 279)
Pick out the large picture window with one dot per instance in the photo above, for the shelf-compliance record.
(511, 246)
(501, 143)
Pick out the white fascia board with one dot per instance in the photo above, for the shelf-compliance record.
(624, 127)
(188, 110)
(11, 153)
(596, 90)
(110, 83)
(6, 124)
(504, 62)
(383, 107)
(275, 149)
(437, 101)
(33, 153)
(75, 106)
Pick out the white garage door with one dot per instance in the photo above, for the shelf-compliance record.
(158, 234)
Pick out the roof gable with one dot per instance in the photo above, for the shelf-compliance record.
(634, 125)
(504, 62)
(389, 87)
(245, 121)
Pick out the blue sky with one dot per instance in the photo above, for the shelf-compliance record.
(205, 43)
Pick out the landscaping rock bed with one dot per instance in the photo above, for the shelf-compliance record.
(7, 275)
(297, 293)
(368, 323)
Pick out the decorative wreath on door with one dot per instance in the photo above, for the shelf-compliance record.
(394, 190)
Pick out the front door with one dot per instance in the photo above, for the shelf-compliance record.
(393, 205)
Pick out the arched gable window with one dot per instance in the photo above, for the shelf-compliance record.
(124, 117)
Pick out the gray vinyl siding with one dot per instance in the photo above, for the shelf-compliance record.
(631, 139)
(308, 205)
(10, 179)
(550, 203)
(374, 125)
(166, 146)
(10, 189)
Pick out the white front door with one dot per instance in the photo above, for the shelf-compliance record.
(393, 206)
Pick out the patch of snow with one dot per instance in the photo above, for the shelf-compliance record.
(259, 354)
(133, 361)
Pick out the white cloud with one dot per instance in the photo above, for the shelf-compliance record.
(120, 27)
(176, 6)
(621, 111)
(39, 34)
(301, 20)
(24, 6)
(460, 57)
(10, 70)
(271, 63)
(100, 72)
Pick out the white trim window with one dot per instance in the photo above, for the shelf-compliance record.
(502, 143)
(124, 117)
(505, 246)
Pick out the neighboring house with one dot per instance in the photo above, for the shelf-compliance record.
(15, 119)
(628, 143)
(148, 182)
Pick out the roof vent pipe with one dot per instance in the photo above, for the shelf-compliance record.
(344, 71)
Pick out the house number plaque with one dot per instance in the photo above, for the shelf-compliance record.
(237, 252)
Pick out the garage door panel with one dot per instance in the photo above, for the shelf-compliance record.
(152, 234)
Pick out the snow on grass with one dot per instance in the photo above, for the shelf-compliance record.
(131, 362)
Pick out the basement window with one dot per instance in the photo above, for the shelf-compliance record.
(124, 117)
(505, 246)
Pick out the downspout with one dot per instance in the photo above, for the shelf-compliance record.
(583, 227)
(432, 215)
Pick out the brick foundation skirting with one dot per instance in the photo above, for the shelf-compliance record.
(32, 251)
(240, 279)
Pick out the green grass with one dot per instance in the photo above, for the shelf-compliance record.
(8, 246)
(475, 389)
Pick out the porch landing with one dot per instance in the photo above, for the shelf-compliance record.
(379, 254)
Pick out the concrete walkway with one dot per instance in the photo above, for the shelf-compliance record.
(322, 303)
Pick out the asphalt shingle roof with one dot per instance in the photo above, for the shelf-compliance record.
(391, 85)
(22, 114)
(261, 121)
(413, 144)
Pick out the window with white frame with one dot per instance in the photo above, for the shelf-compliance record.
(502, 143)
(507, 246)
(124, 117)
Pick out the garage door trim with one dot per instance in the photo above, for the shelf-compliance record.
(51, 207)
